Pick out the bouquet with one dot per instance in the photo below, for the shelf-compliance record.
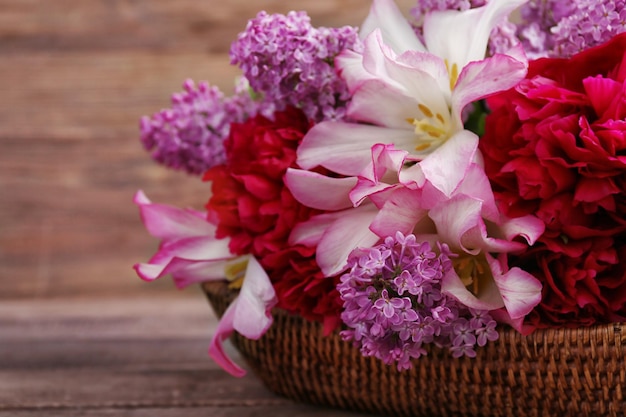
(419, 181)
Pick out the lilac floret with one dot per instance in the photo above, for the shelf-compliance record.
(394, 306)
(559, 28)
(289, 62)
(190, 134)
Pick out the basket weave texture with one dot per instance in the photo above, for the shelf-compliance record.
(551, 373)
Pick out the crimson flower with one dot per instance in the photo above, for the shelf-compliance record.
(555, 146)
(257, 212)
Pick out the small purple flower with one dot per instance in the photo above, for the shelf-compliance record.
(559, 28)
(289, 62)
(393, 304)
(190, 134)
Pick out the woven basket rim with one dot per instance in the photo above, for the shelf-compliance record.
(566, 372)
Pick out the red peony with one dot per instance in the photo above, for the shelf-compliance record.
(257, 212)
(555, 146)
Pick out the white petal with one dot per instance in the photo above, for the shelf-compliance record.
(397, 32)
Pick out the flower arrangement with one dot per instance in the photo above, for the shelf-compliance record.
(417, 181)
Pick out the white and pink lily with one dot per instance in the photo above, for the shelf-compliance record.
(190, 253)
(388, 197)
(408, 93)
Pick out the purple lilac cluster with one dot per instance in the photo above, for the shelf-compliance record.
(190, 134)
(502, 38)
(291, 63)
(559, 28)
(393, 303)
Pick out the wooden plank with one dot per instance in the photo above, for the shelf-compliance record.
(164, 315)
(255, 410)
(157, 24)
(132, 356)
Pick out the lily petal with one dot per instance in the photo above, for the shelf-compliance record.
(255, 302)
(345, 147)
(310, 232)
(462, 36)
(489, 298)
(397, 32)
(346, 233)
(446, 167)
(168, 222)
(223, 331)
(319, 191)
(482, 78)
(520, 290)
(249, 314)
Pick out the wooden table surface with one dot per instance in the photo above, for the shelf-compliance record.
(80, 334)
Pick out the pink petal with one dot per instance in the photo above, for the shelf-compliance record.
(400, 212)
(482, 78)
(385, 158)
(446, 167)
(319, 191)
(168, 222)
(222, 332)
(249, 314)
(255, 302)
(397, 32)
(528, 227)
(348, 232)
(310, 232)
(489, 298)
(520, 290)
(345, 147)
(200, 248)
(459, 223)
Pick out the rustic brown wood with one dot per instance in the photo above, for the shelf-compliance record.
(128, 356)
(80, 334)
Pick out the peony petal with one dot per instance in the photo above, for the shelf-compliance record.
(345, 147)
(346, 233)
(222, 332)
(319, 191)
(397, 32)
(168, 222)
(256, 299)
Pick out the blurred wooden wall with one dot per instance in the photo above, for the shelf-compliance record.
(75, 77)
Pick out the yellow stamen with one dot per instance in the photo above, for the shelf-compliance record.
(424, 109)
(473, 272)
(453, 72)
(235, 272)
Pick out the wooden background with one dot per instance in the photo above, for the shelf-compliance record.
(75, 77)
(80, 334)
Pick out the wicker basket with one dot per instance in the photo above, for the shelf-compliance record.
(552, 373)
